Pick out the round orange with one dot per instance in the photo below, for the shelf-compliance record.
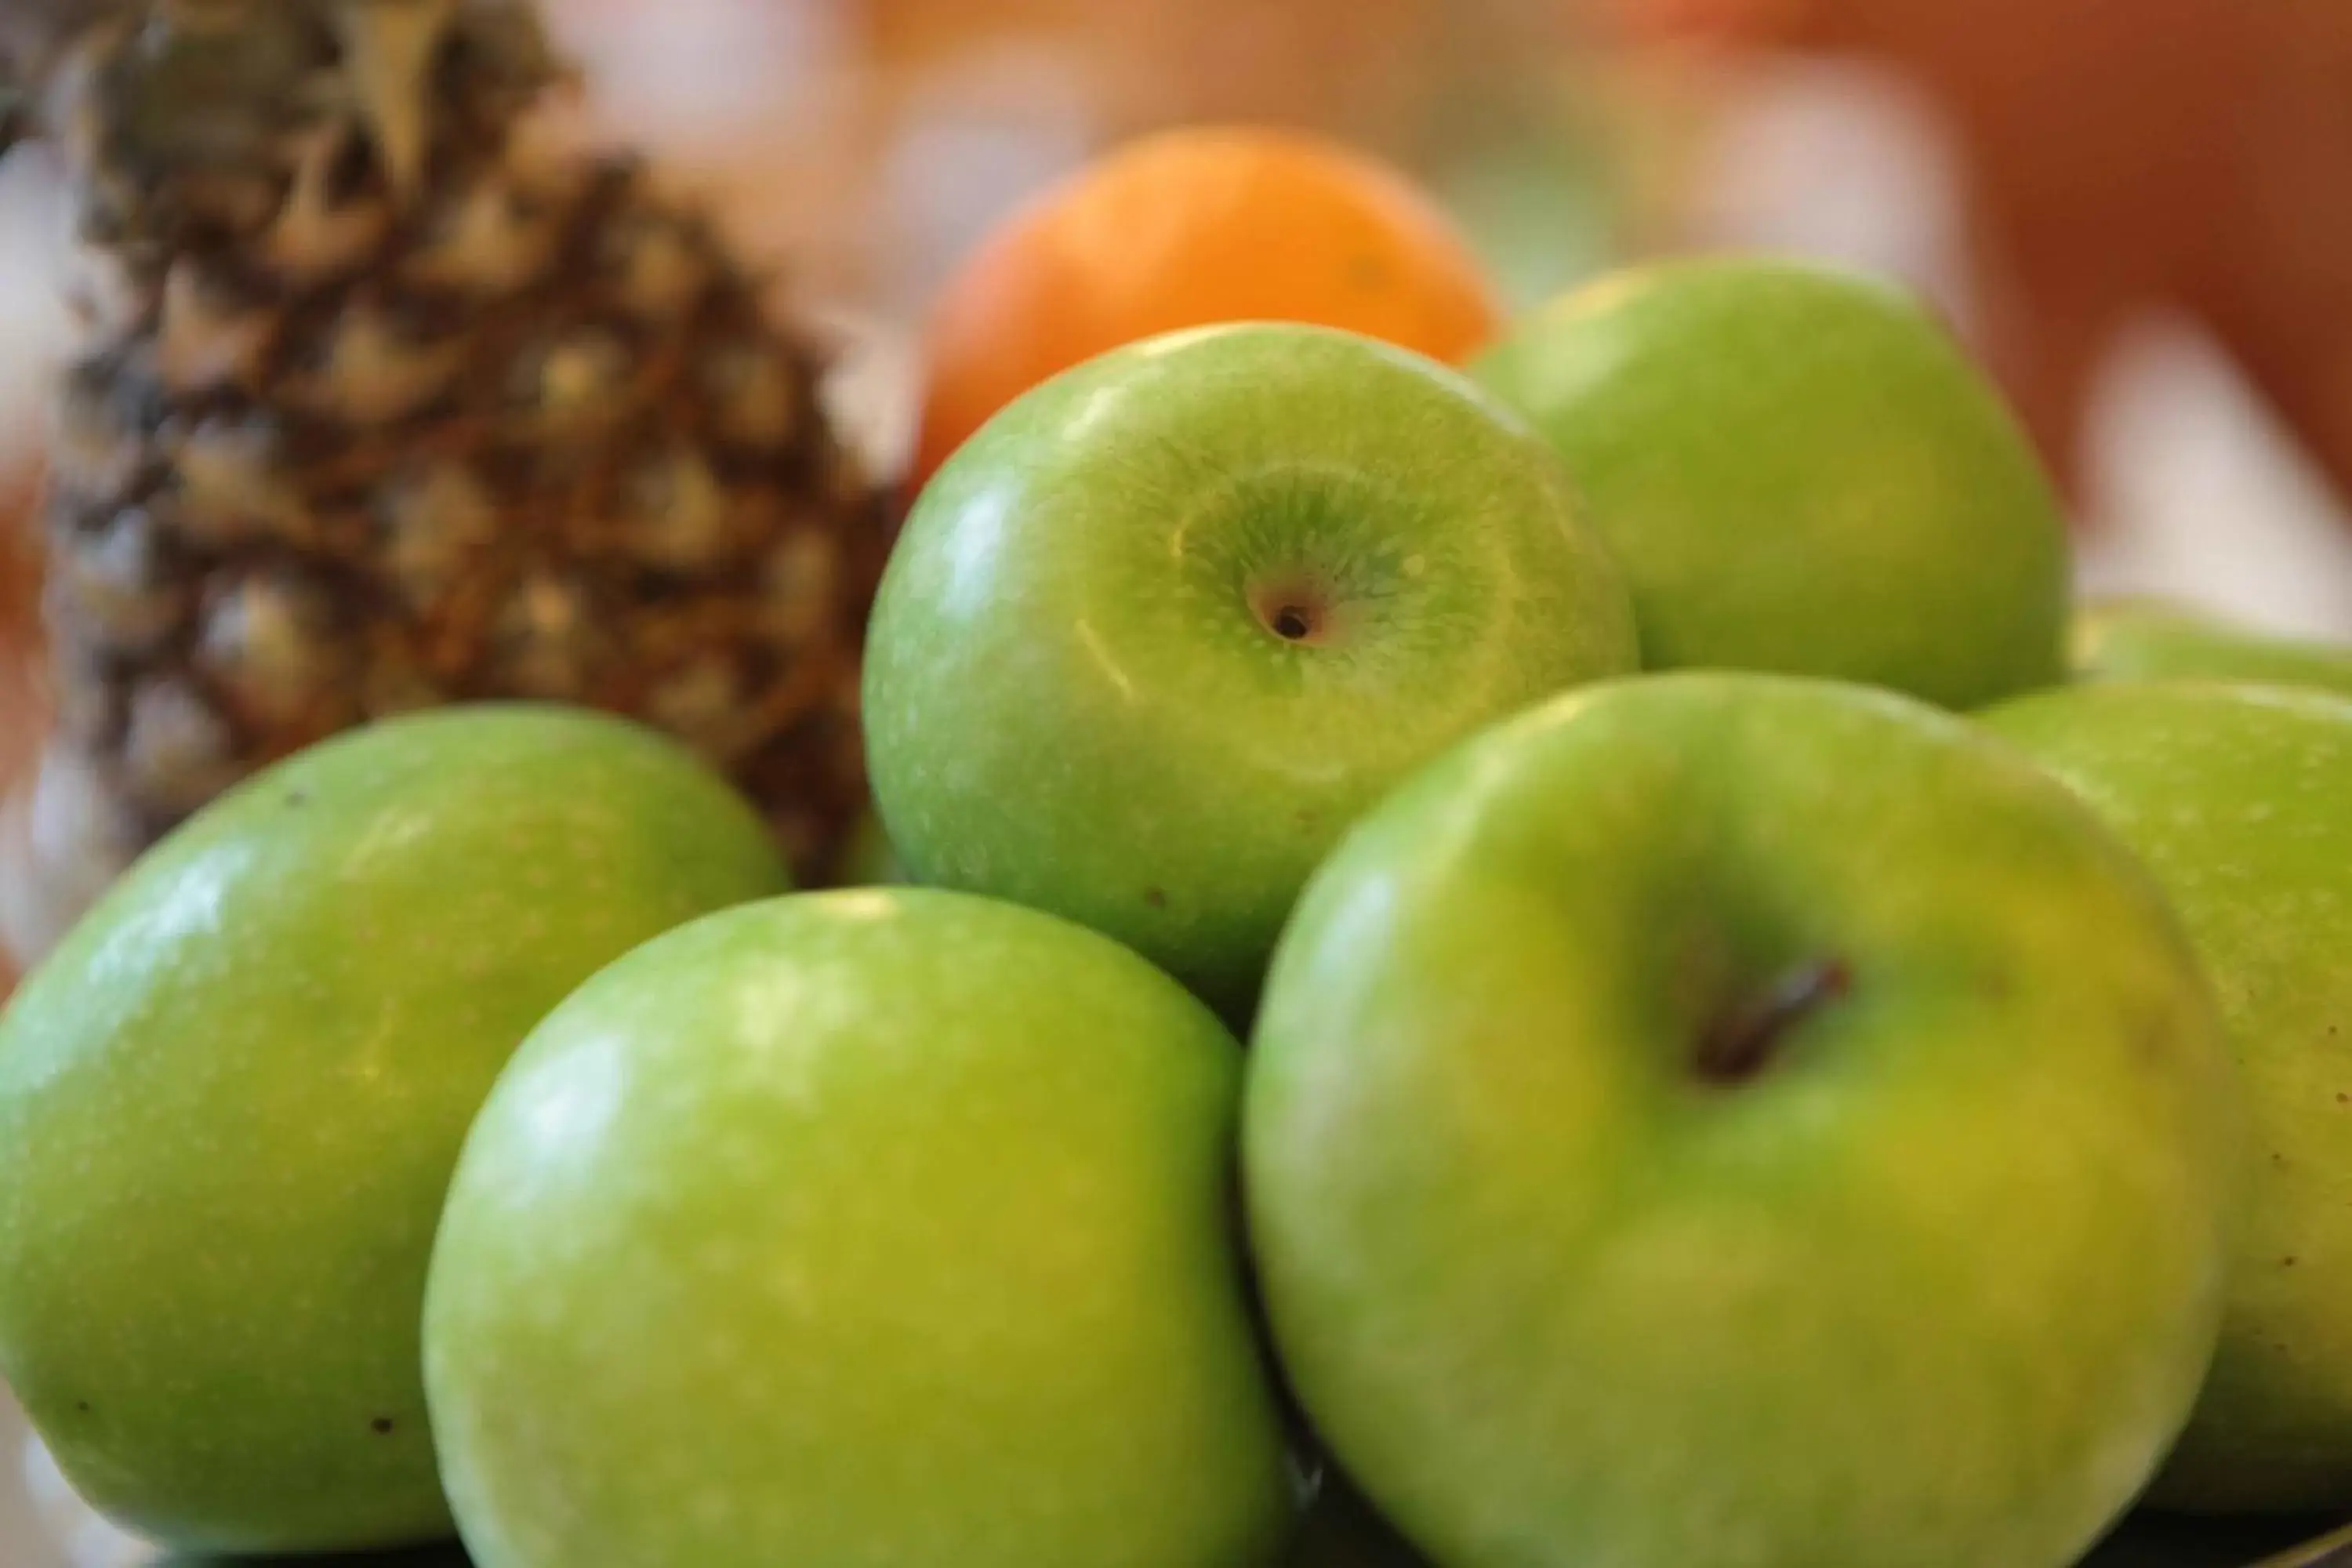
(1187, 228)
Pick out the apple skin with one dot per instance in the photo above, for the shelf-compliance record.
(1933, 1286)
(884, 1225)
(1798, 472)
(2142, 639)
(1076, 696)
(230, 1103)
(2240, 802)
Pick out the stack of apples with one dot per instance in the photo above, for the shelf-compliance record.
(1759, 1054)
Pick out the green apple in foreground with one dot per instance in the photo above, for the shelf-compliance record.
(1800, 472)
(230, 1103)
(878, 1226)
(1739, 1120)
(2145, 639)
(1158, 634)
(2241, 801)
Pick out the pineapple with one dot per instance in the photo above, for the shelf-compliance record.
(391, 398)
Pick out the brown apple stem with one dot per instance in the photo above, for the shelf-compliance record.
(1740, 1043)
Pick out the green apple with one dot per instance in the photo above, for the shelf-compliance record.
(230, 1103)
(2143, 639)
(1158, 634)
(875, 1226)
(1800, 472)
(2241, 799)
(1743, 1120)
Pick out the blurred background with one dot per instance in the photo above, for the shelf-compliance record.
(2136, 209)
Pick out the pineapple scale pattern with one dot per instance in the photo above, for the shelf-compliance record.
(390, 401)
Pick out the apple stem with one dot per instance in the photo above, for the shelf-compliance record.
(1742, 1042)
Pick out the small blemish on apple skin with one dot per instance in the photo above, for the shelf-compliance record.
(2286, 1263)
(1157, 897)
(381, 1425)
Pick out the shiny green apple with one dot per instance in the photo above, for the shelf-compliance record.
(2145, 639)
(1800, 473)
(1741, 1120)
(2241, 801)
(877, 1227)
(230, 1102)
(1157, 635)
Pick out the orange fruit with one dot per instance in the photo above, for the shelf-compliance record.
(1187, 228)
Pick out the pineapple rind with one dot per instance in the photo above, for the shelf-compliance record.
(389, 400)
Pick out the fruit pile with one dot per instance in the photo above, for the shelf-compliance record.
(1756, 1057)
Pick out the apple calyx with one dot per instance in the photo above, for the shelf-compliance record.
(1294, 610)
(1744, 1040)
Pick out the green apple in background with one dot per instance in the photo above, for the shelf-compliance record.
(230, 1103)
(2133, 640)
(2241, 799)
(1158, 634)
(878, 1226)
(1800, 473)
(1741, 1120)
